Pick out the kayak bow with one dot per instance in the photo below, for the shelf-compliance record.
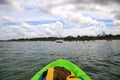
(79, 73)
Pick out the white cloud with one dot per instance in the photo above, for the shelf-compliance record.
(117, 23)
(70, 12)
(90, 31)
(76, 13)
(27, 31)
(8, 18)
(73, 17)
(73, 13)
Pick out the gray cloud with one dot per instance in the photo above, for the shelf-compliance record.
(3, 1)
(101, 2)
(110, 4)
(6, 2)
(11, 4)
(79, 4)
(106, 2)
(110, 7)
(70, 11)
(117, 14)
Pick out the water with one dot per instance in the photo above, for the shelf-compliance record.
(21, 60)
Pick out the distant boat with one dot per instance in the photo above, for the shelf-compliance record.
(59, 41)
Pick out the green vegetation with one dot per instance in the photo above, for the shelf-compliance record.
(71, 38)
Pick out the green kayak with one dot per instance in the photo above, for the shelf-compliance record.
(79, 73)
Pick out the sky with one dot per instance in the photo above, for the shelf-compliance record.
(58, 18)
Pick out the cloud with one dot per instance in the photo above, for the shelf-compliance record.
(27, 31)
(14, 5)
(75, 5)
(73, 10)
(98, 2)
(3, 2)
(8, 18)
(107, 2)
(116, 16)
(117, 23)
(70, 11)
(90, 31)
(83, 17)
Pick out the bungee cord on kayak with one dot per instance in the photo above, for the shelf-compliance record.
(58, 73)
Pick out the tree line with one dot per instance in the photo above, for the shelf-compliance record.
(71, 38)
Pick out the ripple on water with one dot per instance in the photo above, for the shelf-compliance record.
(21, 60)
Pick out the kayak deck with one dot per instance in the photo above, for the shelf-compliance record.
(79, 73)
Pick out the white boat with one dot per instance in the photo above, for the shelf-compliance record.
(59, 41)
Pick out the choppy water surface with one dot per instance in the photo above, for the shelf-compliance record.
(21, 60)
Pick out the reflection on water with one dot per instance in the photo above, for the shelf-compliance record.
(21, 60)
